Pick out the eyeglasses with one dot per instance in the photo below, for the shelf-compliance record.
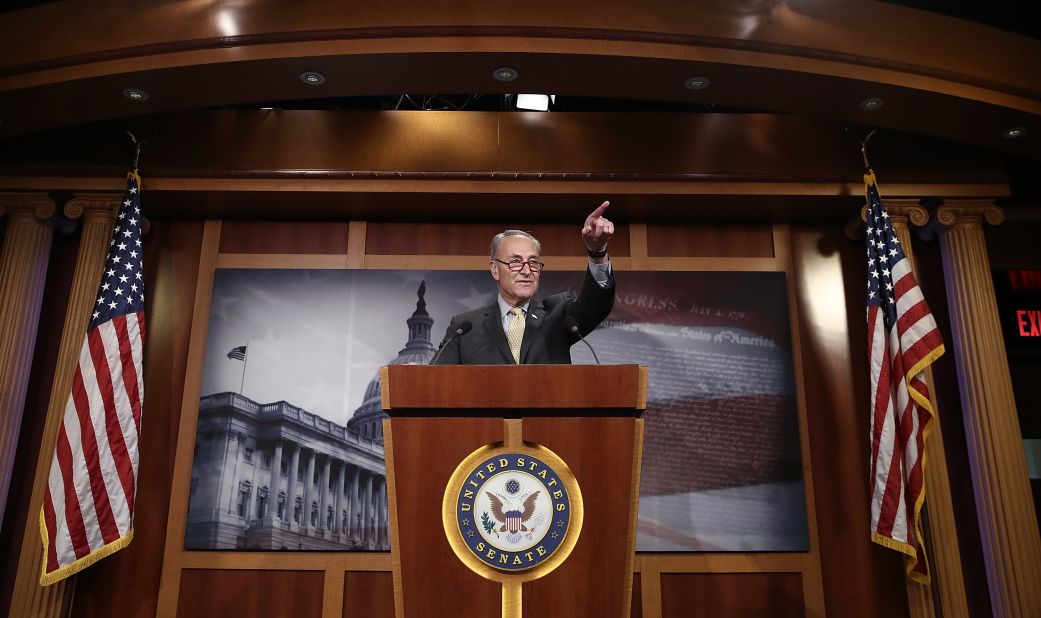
(517, 265)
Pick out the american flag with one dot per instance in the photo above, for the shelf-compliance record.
(88, 510)
(902, 341)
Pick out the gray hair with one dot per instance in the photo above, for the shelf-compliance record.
(497, 240)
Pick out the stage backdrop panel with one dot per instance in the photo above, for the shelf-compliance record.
(289, 445)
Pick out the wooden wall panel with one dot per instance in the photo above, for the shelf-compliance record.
(732, 595)
(709, 241)
(473, 238)
(861, 579)
(222, 593)
(368, 594)
(327, 238)
(132, 574)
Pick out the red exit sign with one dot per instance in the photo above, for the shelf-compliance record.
(1029, 321)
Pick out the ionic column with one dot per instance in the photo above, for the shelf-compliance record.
(28, 598)
(367, 527)
(352, 505)
(229, 484)
(251, 502)
(305, 515)
(338, 496)
(323, 492)
(294, 467)
(1004, 506)
(381, 510)
(359, 510)
(23, 272)
(942, 535)
(273, 484)
(254, 492)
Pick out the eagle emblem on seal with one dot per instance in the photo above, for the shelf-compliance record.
(512, 513)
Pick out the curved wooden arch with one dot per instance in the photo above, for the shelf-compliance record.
(67, 63)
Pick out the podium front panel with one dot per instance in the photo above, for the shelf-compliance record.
(436, 583)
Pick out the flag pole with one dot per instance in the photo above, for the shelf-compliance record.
(138, 144)
(245, 359)
(863, 146)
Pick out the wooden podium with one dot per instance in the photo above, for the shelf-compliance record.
(587, 415)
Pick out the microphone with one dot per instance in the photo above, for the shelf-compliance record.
(463, 328)
(572, 325)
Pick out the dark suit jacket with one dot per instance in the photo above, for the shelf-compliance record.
(546, 339)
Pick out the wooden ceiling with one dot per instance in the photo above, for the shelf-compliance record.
(950, 88)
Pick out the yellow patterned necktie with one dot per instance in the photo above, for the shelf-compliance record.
(515, 332)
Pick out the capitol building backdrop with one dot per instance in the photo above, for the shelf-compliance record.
(273, 476)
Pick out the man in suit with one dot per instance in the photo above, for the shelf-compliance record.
(518, 329)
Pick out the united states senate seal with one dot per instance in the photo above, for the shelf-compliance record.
(512, 511)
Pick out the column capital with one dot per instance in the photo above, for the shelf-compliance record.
(37, 205)
(970, 213)
(902, 211)
(93, 205)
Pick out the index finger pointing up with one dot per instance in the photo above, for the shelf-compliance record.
(599, 212)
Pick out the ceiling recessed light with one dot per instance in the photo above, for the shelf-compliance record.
(135, 94)
(1014, 132)
(312, 78)
(697, 83)
(505, 74)
(871, 104)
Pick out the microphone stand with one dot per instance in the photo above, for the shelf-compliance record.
(572, 326)
(460, 330)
